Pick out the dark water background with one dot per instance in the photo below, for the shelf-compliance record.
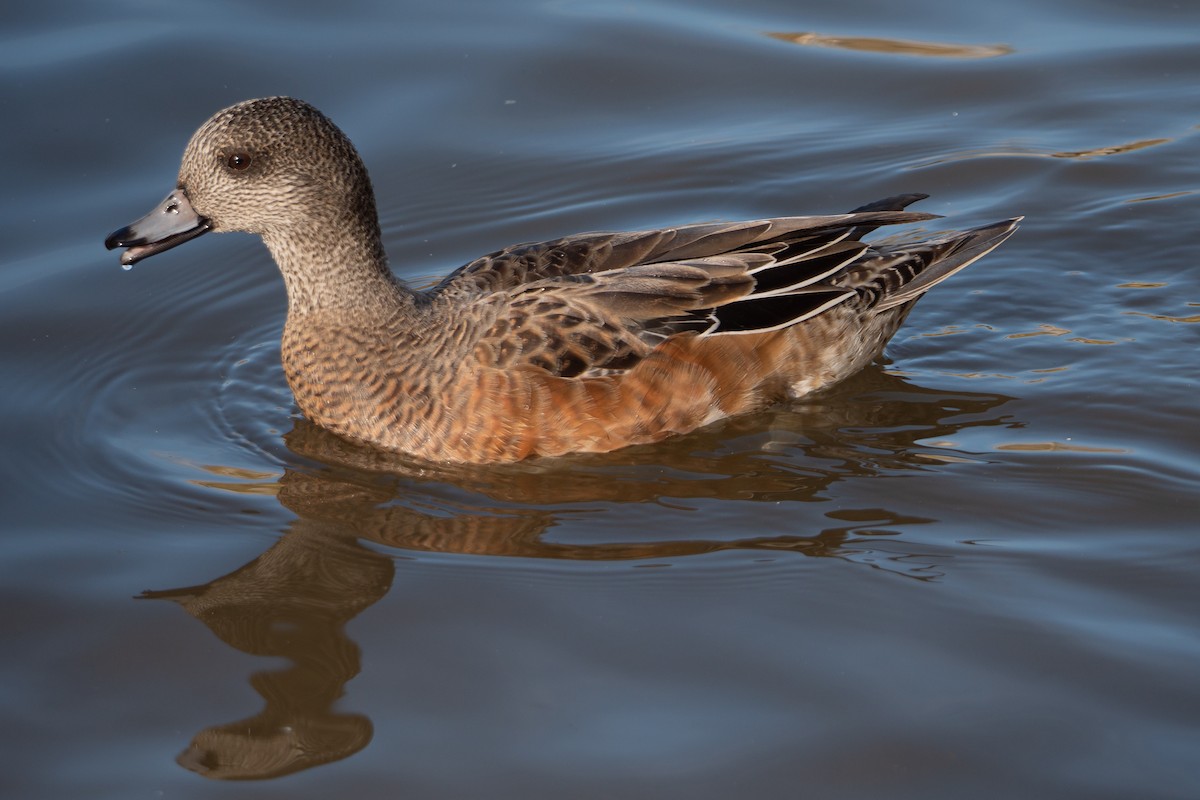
(970, 572)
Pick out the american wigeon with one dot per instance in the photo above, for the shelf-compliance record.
(585, 343)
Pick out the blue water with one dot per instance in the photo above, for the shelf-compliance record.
(970, 571)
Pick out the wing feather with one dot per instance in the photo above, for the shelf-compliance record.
(599, 303)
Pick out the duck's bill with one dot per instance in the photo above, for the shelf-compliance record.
(172, 222)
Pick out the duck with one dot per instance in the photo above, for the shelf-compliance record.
(582, 344)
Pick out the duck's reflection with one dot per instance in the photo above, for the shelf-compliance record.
(294, 600)
(290, 602)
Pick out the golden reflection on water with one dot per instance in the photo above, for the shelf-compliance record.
(1057, 447)
(1112, 150)
(1153, 197)
(1031, 152)
(1166, 317)
(294, 600)
(953, 330)
(1044, 329)
(902, 47)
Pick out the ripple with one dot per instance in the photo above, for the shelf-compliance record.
(253, 404)
(136, 401)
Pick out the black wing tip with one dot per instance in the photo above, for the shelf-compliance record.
(897, 202)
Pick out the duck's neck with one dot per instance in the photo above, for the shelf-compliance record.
(338, 267)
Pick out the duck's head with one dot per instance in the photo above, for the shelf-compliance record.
(273, 166)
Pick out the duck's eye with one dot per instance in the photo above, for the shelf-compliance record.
(239, 161)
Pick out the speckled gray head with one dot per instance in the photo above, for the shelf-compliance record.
(275, 166)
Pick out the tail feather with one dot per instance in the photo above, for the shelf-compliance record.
(948, 256)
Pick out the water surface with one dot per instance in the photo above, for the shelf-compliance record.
(972, 568)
